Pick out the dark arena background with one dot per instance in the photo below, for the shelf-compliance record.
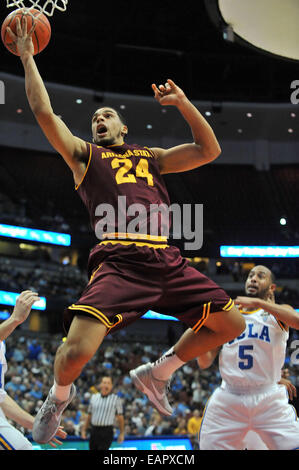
(106, 54)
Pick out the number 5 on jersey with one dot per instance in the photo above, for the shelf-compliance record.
(247, 362)
(124, 167)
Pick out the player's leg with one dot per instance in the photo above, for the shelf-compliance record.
(153, 379)
(88, 321)
(11, 438)
(84, 338)
(276, 421)
(225, 422)
(219, 328)
(213, 320)
(253, 441)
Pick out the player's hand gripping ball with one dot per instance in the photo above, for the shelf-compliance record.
(40, 36)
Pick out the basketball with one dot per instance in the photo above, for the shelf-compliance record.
(41, 35)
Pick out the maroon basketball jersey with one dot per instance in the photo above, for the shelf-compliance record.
(124, 192)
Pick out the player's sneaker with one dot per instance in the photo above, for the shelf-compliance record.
(48, 418)
(155, 389)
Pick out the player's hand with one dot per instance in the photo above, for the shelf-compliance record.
(60, 433)
(292, 391)
(23, 306)
(247, 302)
(169, 94)
(22, 39)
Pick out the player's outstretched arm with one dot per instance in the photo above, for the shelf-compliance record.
(20, 313)
(187, 156)
(72, 149)
(284, 313)
(14, 412)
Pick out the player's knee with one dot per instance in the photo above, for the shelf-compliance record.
(76, 354)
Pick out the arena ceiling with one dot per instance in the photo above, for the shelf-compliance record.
(124, 47)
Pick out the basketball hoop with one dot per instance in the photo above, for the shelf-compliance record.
(48, 8)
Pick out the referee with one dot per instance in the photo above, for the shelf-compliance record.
(103, 408)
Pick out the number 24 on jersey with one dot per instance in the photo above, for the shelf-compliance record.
(124, 174)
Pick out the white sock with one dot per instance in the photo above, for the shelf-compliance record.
(166, 365)
(61, 392)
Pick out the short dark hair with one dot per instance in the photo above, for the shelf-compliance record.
(120, 115)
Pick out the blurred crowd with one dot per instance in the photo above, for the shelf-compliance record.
(22, 212)
(30, 376)
(64, 281)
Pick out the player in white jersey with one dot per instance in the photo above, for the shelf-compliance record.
(10, 437)
(250, 399)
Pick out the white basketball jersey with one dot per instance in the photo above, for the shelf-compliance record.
(256, 357)
(3, 369)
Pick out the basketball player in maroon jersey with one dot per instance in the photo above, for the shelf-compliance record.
(128, 276)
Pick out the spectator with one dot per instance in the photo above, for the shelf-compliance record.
(154, 427)
(34, 349)
(194, 422)
(181, 428)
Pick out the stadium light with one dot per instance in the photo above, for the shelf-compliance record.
(259, 251)
(32, 234)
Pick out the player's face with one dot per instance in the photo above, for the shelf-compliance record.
(107, 128)
(106, 385)
(259, 283)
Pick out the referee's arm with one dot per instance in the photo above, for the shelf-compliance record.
(121, 425)
(85, 426)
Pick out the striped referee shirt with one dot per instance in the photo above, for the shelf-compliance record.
(104, 408)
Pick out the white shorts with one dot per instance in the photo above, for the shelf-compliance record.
(228, 417)
(253, 441)
(11, 438)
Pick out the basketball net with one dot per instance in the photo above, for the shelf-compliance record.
(48, 8)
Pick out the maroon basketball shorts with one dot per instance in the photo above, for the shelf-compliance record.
(128, 279)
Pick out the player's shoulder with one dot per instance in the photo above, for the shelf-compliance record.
(82, 148)
(158, 152)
